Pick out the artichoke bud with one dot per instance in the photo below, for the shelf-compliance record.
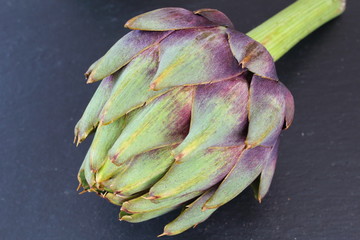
(188, 109)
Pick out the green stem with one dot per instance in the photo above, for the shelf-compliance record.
(281, 32)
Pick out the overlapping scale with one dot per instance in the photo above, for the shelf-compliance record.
(266, 112)
(251, 54)
(132, 88)
(163, 122)
(195, 56)
(104, 138)
(141, 217)
(267, 173)
(244, 172)
(91, 115)
(191, 216)
(123, 51)
(200, 172)
(143, 171)
(144, 204)
(219, 104)
(215, 16)
(165, 19)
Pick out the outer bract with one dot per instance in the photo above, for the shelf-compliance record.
(188, 109)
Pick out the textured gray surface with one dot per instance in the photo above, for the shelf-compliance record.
(45, 46)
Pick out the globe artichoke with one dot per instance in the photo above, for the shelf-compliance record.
(188, 112)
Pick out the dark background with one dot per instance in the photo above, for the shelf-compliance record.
(45, 46)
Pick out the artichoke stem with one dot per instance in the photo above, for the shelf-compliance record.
(281, 32)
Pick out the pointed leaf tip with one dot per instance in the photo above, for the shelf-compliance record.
(90, 117)
(191, 216)
(126, 218)
(123, 51)
(215, 16)
(164, 234)
(268, 171)
(91, 68)
(244, 172)
(251, 54)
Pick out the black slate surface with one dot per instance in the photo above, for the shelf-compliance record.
(45, 46)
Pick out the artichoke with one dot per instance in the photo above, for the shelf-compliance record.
(188, 113)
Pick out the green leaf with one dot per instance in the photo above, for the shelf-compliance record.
(123, 52)
(201, 171)
(245, 171)
(219, 117)
(267, 173)
(266, 112)
(168, 19)
(90, 117)
(141, 217)
(163, 122)
(195, 56)
(104, 138)
(144, 170)
(132, 89)
(146, 204)
(191, 216)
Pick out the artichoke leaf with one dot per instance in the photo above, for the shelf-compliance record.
(202, 171)
(245, 171)
(252, 55)
(123, 51)
(191, 216)
(165, 19)
(195, 56)
(219, 104)
(266, 112)
(163, 122)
